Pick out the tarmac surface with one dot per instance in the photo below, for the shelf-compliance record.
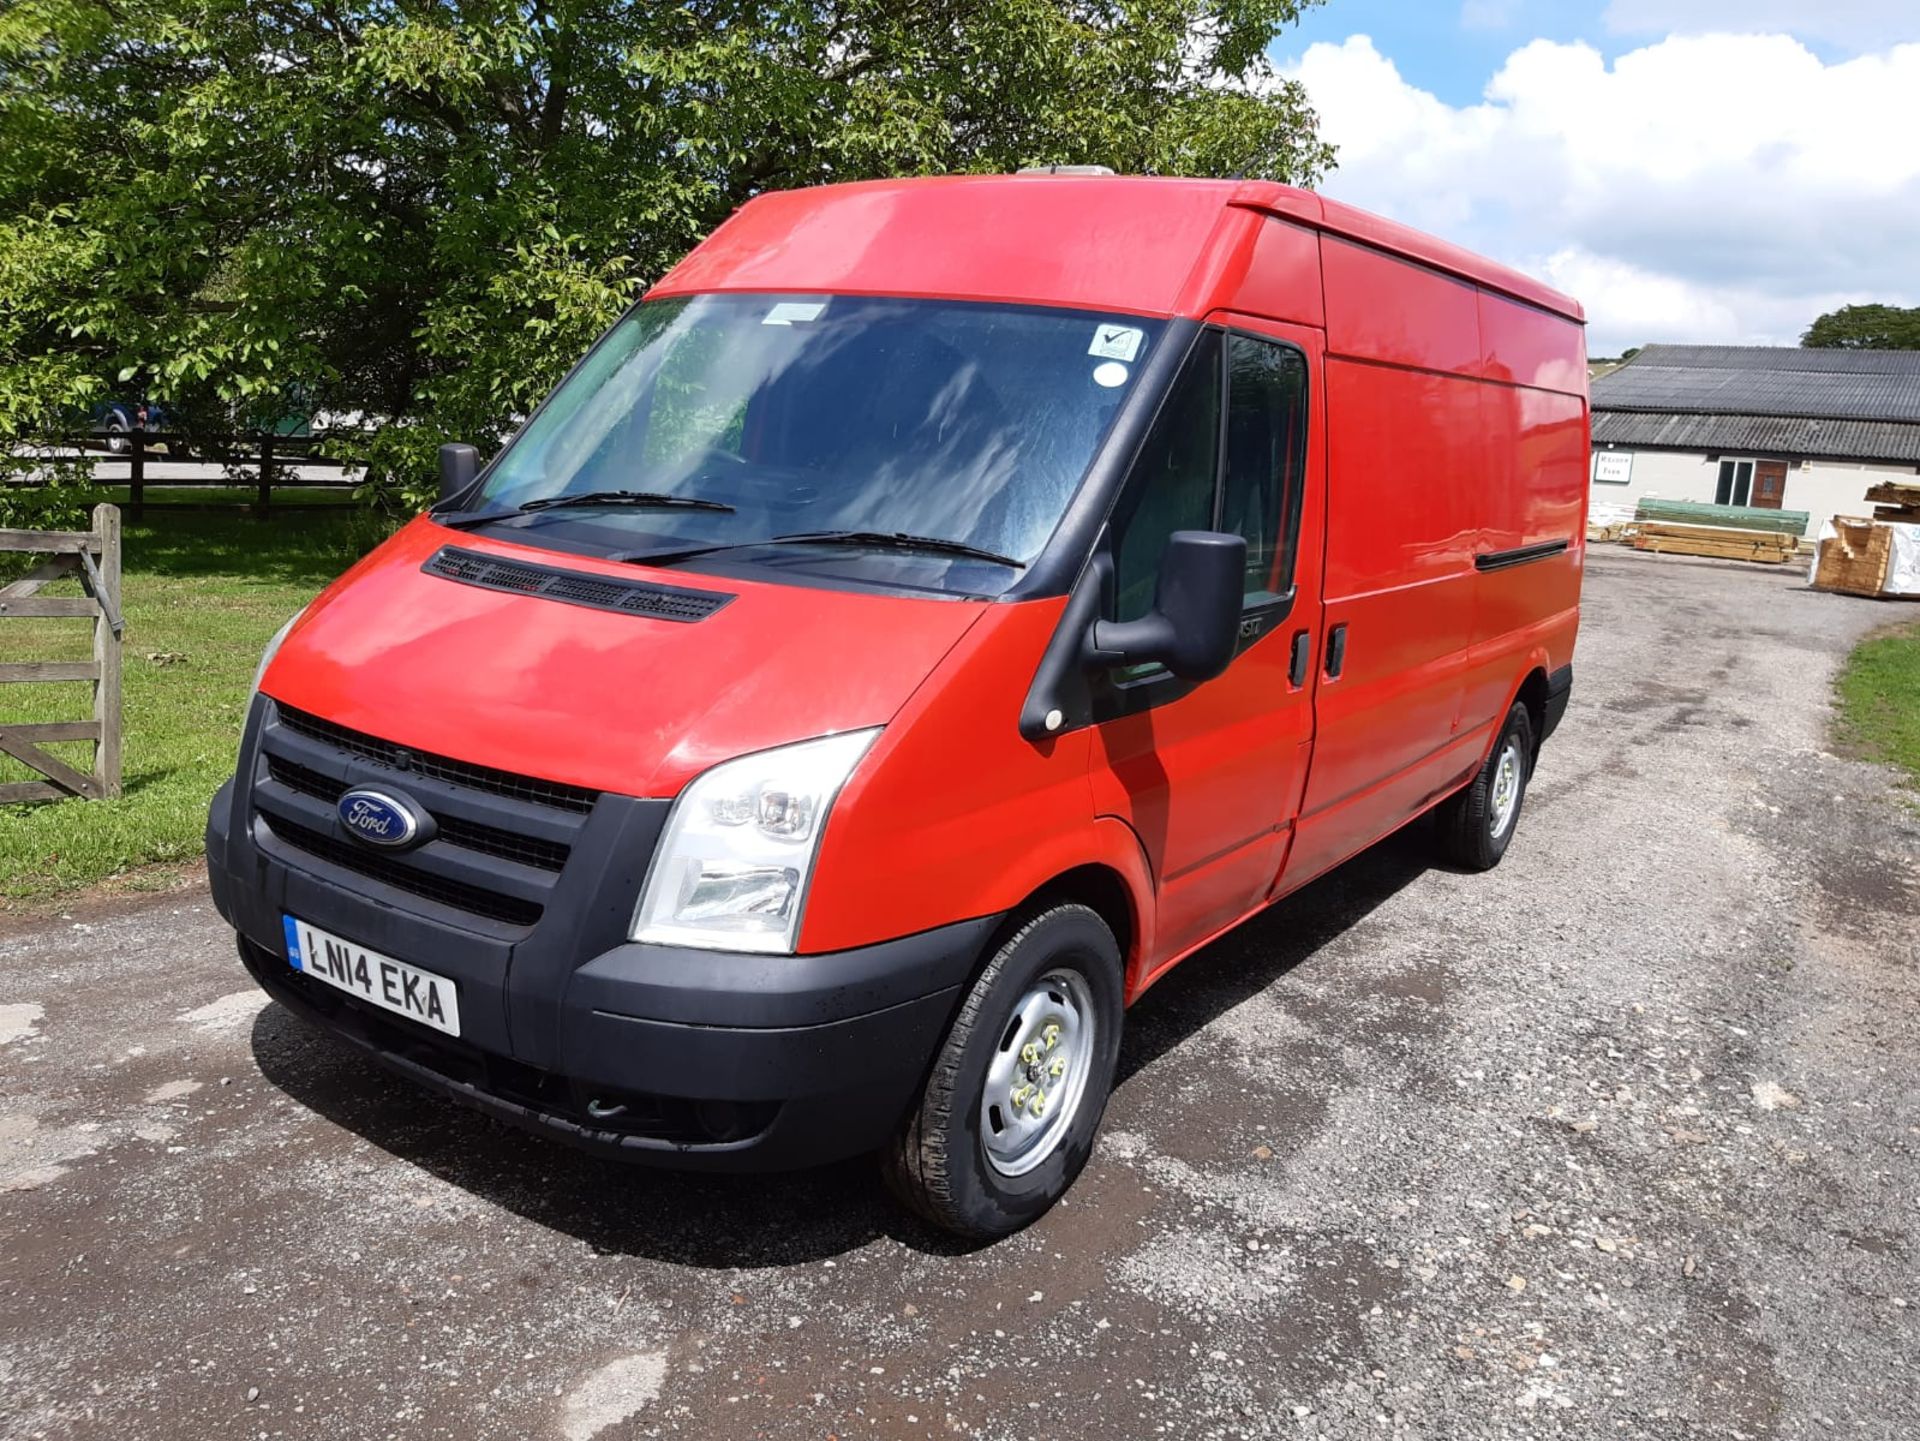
(1622, 1138)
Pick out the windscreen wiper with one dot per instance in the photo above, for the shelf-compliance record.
(466, 519)
(874, 539)
(625, 497)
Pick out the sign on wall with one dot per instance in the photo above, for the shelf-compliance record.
(1613, 467)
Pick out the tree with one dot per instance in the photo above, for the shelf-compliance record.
(424, 209)
(1865, 327)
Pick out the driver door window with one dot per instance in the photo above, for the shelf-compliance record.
(1243, 476)
(1173, 480)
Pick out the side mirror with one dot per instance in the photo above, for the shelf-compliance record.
(459, 464)
(1195, 619)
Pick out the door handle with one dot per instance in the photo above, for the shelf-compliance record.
(1336, 650)
(1302, 654)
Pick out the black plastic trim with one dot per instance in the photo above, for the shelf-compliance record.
(646, 599)
(394, 757)
(1063, 682)
(822, 1053)
(752, 990)
(1521, 555)
(1336, 651)
(485, 901)
(1559, 692)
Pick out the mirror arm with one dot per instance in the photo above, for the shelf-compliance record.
(1111, 643)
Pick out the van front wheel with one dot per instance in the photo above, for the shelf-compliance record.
(1017, 1090)
(1477, 824)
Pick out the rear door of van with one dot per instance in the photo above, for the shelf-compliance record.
(1210, 776)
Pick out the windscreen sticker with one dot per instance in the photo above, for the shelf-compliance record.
(793, 312)
(1116, 342)
(1109, 373)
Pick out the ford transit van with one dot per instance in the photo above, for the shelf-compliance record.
(935, 610)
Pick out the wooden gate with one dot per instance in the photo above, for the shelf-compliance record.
(94, 557)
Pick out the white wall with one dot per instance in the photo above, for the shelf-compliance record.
(1822, 488)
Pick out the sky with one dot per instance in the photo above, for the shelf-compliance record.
(1716, 171)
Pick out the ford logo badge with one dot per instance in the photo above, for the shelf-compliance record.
(379, 818)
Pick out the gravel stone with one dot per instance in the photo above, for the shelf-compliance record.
(1679, 1019)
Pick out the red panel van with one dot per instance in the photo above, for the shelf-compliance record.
(939, 607)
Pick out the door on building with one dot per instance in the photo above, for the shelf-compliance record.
(1736, 482)
(1769, 483)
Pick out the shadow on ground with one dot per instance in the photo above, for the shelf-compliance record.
(727, 1221)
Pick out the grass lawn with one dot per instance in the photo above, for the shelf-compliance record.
(1880, 698)
(202, 594)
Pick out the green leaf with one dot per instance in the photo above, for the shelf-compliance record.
(424, 213)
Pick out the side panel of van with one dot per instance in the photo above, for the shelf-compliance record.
(1403, 522)
(1533, 423)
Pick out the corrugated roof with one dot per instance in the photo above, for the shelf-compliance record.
(1765, 381)
(1897, 441)
(1781, 357)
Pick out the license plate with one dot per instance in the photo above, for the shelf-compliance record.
(379, 980)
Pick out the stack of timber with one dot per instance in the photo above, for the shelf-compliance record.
(1854, 560)
(1718, 542)
(1896, 502)
(1722, 517)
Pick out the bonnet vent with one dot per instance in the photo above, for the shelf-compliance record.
(572, 587)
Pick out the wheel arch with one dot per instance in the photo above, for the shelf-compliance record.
(1532, 693)
(1119, 893)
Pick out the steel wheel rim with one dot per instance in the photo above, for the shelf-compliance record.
(1505, 797)
(1042, 1060)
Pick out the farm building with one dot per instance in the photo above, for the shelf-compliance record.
(1773, 426)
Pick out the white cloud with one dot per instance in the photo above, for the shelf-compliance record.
(1715, 187)
(1853, 24)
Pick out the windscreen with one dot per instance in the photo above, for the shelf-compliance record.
(961, 422)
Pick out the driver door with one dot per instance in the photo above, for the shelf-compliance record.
(1210, 776)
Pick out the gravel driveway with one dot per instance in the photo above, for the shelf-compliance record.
(1622, 1138)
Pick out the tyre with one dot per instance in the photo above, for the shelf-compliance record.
(1018, 1088)
(1477, 823)
(117, 432)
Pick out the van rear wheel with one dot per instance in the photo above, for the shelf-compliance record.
(1008, 1116)
(1477, 823)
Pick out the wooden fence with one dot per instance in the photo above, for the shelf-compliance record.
(94, 557)
(260, 463)
(265, 455)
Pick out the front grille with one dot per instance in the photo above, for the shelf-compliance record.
(470, 835)
(572, 587)
(459, 773)
(393, 870)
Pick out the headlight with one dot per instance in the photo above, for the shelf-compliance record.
(273, 649)
(732, 866)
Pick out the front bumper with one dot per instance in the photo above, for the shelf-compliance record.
(656, 1054)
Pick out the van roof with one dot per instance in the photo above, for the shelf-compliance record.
(1130, 243)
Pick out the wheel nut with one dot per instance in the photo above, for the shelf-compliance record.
(1029, 1053)
(1058, 1068)
(1020, 1094)
(1039, 1106)
(1051, 1036)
